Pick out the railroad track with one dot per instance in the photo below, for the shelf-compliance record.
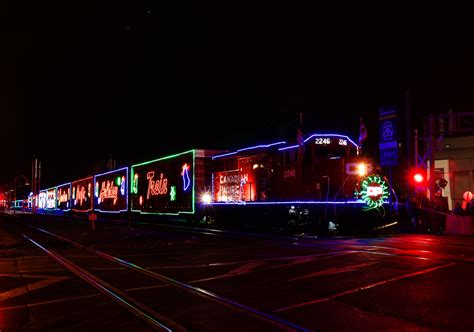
(154, 310)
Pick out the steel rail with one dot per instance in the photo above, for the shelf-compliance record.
(190, 288)
(140, 310)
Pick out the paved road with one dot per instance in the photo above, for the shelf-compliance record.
(403, 282)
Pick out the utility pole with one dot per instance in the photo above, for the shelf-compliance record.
(34, 176)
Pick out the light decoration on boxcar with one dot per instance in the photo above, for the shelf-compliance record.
(122, 186)
(108, 191)
(135, 184)
(96, 189)
(63, 196)
(51, 198)
(173, 193)
(81, 195)
(42, 199)
(158, 187)
(374, 190)
(185, 175)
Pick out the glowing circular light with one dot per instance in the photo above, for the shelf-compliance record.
(467, 196)
(374, 190)
(206, 198)
(362, 169)
(418, 178)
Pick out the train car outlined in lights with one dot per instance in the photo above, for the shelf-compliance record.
(63, 196)
(82, 195)
(111, 191)
(165, 185)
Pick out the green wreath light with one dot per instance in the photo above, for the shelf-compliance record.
(374, 191)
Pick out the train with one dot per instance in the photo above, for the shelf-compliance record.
(321, 180)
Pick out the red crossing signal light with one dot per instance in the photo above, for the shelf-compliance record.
(418, 177)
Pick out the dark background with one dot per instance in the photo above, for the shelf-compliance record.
(138, 80)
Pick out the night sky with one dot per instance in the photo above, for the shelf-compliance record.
(140, 80)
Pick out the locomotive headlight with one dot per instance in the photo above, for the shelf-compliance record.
(206, 198)
(362, 169)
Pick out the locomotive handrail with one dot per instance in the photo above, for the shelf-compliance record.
(339, 190)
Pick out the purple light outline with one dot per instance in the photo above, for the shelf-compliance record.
(288, 147)
(289, 202)
(320, 135)
(186, 173)
(94, 203)
(249, 148)
(113, 171)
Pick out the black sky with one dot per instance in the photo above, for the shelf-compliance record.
(139, 80)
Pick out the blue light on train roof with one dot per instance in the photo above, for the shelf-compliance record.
(288, 202)
(249, 148)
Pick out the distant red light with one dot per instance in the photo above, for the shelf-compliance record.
(418, 178)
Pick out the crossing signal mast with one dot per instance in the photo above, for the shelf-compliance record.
(436, 127)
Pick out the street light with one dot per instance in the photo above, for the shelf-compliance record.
(14, 188)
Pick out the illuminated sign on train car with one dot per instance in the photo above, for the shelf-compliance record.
(111, 191)
(228, 186)
(165, 185)
(42, 199)
(63, 195)
(51, 199)
(82, 195)
(237, 185)
(32, 201)
(332, 140)
(374, 191)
